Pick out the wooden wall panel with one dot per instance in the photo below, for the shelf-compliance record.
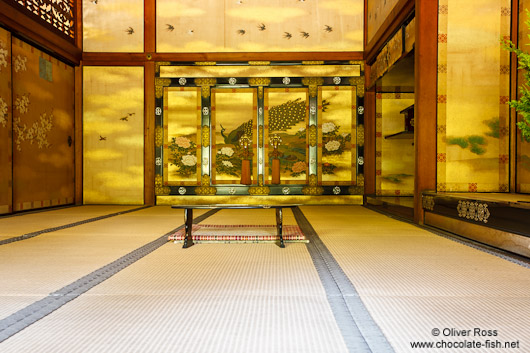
(43, 129)
(377, 12)
(6, 170)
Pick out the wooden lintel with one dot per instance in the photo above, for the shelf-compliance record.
(136, 58)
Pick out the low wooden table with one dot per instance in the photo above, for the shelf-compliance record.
(188, 218)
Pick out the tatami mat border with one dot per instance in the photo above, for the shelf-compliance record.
(70, 225)
(359, 330)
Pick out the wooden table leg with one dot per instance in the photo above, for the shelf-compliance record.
(279, 226)
(188, 223)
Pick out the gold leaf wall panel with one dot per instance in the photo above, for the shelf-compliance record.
(182, 125)
(113, 26)
(113, 135)
(394, 156)
(377, 12)
(5, 123)
(43, 129)
(259, 26)
(523, 147)
(337, 135)
(473, 88)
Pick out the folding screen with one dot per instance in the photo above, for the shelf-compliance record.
(113, 135)
(43, 129)
(6, 181)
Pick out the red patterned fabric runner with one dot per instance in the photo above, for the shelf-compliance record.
(239, 233)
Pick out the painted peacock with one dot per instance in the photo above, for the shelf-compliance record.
(281, 118)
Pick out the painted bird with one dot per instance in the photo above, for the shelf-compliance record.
(126, 117)
(129, 30)
(328, 28)
(304, 34)
(101, 138)
(287, 35)
(241, 31)
(170, 28)
(262, 27)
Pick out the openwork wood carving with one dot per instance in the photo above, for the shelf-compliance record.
(59, 14)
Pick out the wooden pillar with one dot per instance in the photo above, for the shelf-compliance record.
(369, 138)
(78, 135)
(425, 71)
(149, 133)
(149, 101)
(78, 110)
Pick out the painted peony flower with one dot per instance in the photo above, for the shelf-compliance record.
(228, 164)
(328, 127)
(298, 167)
(227, 151)
(189, 160)
(332, 145)
(183, 142)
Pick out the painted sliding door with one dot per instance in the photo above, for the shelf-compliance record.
(43, 129)
(6, 170)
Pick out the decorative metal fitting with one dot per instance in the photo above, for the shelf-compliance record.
(182, 81)
(336, 80)
(360, 160)
(286, 190)
(336, 190)
(182, 190)
(232, 80)
(205, 111)
(286, 80)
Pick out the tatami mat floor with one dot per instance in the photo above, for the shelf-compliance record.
(14, 225)
(413, 281)
(258, 297)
